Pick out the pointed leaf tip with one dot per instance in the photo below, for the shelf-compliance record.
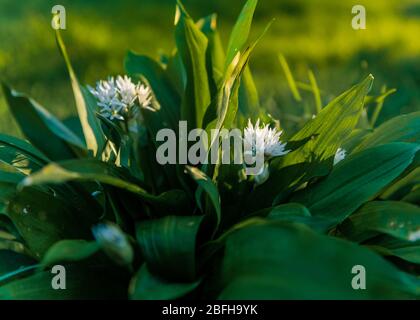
(369, 82)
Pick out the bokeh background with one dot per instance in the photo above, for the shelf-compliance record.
(311, 34)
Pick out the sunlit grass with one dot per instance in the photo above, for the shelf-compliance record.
(315, 34)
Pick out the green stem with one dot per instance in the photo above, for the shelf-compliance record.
(378, 109)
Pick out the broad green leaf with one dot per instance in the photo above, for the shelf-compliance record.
(404, 128)
(283, 210)
(395, 218)
(232, 191)
(211, 191)
(24, 147)
(82, 283)
(413, 196)
(94, 170)
(331, 126)
(122, 149)
(318, 224)
(167, 116)
(169, 245)
(72, 122)
(280, 184)
(192, 45)
(7, 226)
(323, 135)
(11, 261)
(390, 246)
(44, 131)
(408, 253)
(354, 139)
(6, 236)
(215, 56)
(248, 100)
(43, 218)
(145, 167)
(356, 179)
(289, 261)
(227, 98)
(69, 251)
(240, 32)
(176, 73)
(21, 155)
(85, 104)
(8, 184)
(226, 103)
(403, 186)
(10, 243)
(293, 212)
(147, 286)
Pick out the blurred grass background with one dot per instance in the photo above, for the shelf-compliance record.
(311, 34)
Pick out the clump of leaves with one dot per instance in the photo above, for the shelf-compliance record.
(124, 226)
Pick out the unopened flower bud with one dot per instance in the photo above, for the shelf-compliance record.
(114, 242)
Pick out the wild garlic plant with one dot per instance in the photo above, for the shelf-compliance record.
(334, 194)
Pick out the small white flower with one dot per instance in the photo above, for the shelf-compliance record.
(127, 91)
(120, 99)
(105, 92)
(111, 110)
(340, 154)
(144, 96)
(263, 140)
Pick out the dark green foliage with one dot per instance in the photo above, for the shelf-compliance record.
(209, 232)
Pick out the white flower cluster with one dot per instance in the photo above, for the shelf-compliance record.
(264, 140)
(119, 98)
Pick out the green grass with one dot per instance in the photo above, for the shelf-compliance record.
(315, 34)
